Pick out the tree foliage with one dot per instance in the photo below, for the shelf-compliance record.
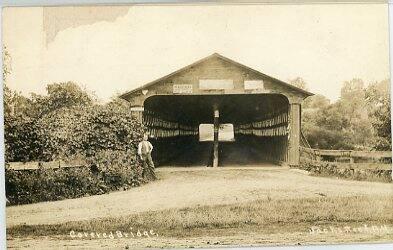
(378, 99)
(61, 95)
(89, 129)
(66, 122)
(359, 119)
(299, 83)
(6, 63)
(63, 125)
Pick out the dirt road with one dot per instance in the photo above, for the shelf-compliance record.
(187, 187)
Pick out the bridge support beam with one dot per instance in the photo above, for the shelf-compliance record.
(216, 114)
(294, 134)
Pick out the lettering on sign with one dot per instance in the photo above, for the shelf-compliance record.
(210, 84)
(253, 84)
(182, 88)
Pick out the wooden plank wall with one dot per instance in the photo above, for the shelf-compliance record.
(273, 128)
(158, 127)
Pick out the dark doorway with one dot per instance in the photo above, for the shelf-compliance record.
(248, 145)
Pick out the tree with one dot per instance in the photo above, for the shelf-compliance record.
(299, 83)
(316, 102)
(7, 93)
(6, 63)
(353, 99)
(61, 95)
(353, 106)
(325, 127)
(20, 130)
(344, 124)
(378, 100)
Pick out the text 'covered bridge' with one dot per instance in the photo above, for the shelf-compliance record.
(253, 117)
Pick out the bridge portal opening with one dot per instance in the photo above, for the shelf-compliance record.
(225, 132)
(259, 126)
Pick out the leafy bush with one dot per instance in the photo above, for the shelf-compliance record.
(87, 130)
(65, 124)
(106, 171)
(32, 186)
(118, 169)
(22, 141)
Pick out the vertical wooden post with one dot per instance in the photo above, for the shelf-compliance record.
(216, 114)
(351, 159)
(294, 135)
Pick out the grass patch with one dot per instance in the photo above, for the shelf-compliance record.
(268, 215)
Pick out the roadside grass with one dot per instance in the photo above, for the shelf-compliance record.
(267, 215)
(375, 172)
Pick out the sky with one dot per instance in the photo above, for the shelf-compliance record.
(325, 44)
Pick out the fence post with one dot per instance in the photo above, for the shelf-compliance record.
(351, 159)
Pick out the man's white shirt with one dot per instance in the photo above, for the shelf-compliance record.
(148, 145)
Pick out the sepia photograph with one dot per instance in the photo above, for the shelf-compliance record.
(197, 125)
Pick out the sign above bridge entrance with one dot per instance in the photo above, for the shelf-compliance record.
(182, 89)
(253, 84)
(207, 84)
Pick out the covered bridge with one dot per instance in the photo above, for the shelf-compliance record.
(263, 112)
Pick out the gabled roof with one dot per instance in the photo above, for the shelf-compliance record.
(216, 55)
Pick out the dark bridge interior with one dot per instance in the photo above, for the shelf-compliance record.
(260, 128)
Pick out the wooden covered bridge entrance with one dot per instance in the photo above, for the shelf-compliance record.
(264, 111)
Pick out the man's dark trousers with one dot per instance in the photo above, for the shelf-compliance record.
(148, 165)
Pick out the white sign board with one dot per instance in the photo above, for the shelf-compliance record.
(182, 88)
(137, 109)
(216, 84)
(253, 84)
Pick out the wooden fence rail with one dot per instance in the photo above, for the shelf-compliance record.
(44, 165)
(345, 158)
(349, 158)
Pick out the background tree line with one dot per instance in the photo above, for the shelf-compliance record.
(360, 119)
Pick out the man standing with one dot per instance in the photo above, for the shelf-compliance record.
(144, 151)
